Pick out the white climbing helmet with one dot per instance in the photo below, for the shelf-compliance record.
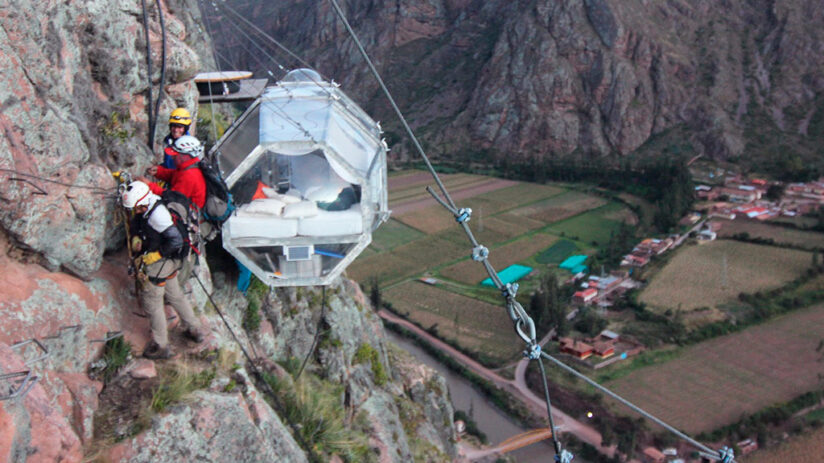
(190, 145)
(136, 194)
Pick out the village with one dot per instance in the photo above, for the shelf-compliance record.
(738, 198)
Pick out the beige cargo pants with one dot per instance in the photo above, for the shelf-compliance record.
(152, 296)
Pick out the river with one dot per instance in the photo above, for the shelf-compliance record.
(493, 422)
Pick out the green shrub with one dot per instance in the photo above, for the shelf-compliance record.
(367, 353)
(116, 354)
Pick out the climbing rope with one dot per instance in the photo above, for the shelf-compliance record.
(57, 182)
(317, 332)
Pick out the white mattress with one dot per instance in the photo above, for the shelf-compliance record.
(262, 226)
(333, 223)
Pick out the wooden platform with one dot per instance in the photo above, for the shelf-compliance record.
(250, 89)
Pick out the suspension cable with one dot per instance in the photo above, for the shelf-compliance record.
(297, 58)
(209, 84)
(717, 455)
(524, 326)
(149, 63)
(162, 74)
(516, 312)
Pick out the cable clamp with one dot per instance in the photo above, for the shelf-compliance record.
(510, 290)
(726, 455)
(533, 352)
(480, 253)
(464, 214)
(565, 457)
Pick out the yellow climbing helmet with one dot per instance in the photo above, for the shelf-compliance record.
(180, 116)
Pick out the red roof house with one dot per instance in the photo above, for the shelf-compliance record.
(575, 348)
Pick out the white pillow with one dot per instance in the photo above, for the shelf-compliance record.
(324, 194)
(269, 192)
(288, 199)
(301, 209)
(267, 206)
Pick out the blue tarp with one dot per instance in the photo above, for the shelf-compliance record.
(578, 269)
(510, 274)
(572, 262)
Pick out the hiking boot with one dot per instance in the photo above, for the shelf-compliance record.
(193, 334)
(155, 352)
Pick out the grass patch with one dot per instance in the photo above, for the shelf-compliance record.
(176, 382)
(557, 253)
(590, 228)
(393, 234)
(315, 407)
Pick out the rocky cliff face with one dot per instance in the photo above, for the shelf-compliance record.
(584, 77)
(73, 110)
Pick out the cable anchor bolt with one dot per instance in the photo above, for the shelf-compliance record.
(533, 352)
(464, 214)
(565, 457)
(480, 253)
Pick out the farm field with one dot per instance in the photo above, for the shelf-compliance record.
(806, 448)
(560, 207)
(782, 235)
(716, 382)
(695, 276)
(481, 327)
(517, 221)
(470, 272)
(592, 227)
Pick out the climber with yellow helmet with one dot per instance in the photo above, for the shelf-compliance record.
(179, 122)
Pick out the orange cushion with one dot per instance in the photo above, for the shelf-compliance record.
(259, 192)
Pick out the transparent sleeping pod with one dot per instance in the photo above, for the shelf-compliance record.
(307, 170)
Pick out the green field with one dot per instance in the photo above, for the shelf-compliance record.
(592, 227)
(556, 253)
(393, 234)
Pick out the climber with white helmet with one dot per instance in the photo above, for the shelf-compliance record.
(159, 245)
(186, 177)
(179, 122)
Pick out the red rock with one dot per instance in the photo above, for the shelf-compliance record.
(143, 369)
(7, 432)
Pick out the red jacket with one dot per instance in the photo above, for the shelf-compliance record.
(187, 179)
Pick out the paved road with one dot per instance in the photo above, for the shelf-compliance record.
(517, 388)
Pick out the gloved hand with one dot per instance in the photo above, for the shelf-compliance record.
(151, 257)
(137, 244)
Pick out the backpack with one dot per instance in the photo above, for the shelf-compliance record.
(218, 205)
(184, 217)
